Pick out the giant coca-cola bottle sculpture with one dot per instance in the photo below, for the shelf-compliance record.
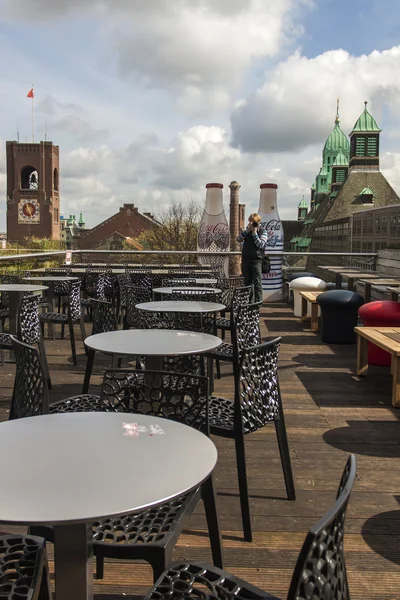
(270, 220)
(213, 233)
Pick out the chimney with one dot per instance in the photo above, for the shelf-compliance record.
(234, 261)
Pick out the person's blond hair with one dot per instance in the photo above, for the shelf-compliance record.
(255, 217)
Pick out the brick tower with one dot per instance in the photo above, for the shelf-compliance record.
(33, 201)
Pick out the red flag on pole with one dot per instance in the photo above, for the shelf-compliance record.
(30, 94)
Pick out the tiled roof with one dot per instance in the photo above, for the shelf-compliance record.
(349, 199)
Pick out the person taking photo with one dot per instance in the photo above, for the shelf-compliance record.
(254, 241)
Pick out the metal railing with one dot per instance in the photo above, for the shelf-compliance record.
(59, 253)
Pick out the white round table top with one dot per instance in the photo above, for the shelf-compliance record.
(21, 287)
(198, 281)
(78, 467)
(181, 306)
(168, 290)
(152, 342)
(52, 278)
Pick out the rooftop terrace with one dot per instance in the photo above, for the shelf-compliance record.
(330, 412)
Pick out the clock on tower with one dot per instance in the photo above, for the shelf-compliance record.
(33, 201)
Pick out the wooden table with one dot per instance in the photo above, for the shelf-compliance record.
(378, 281)
(394, 293)
(387, 338)
(310, 297)
(353, 276)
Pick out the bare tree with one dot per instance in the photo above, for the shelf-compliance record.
(178, 229)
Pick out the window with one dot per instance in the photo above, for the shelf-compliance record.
(364, 226)
(357, 227)
(340, 175)
(360, 146)
(369, 225)
(378, 225)
(371, 146)
(392, 224)
(384, 224)
(55, 180)
(55, 214)
(29, 178)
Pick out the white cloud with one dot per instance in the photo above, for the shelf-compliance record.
(295, 105)
(197, 49)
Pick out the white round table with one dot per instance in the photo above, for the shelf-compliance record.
(179, 306)
(71, 469)
(197, 281)
(150, 343)
(14, 291)
(168, 290)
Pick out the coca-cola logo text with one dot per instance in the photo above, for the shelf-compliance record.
(217, 234)
(273, 224)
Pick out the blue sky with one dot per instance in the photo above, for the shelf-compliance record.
(149, 100)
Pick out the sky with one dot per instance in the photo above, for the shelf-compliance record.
(149, 100)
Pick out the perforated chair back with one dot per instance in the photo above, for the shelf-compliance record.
(135, 295)
(320, 572)
(176, 396)
(258, 395)
(74, 301)
(245, 330)
(29, 330)
(30, 395)
(190, 295)
(104, 318)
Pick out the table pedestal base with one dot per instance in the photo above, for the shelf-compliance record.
(73, 555)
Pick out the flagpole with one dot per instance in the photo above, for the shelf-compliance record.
(33, 117)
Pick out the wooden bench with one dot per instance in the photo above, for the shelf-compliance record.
(310, 297)
(387, 338)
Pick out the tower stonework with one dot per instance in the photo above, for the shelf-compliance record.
(33, 195)
(234, 219)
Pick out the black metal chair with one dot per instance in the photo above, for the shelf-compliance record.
(31, 393)
(228, 285)
(24, 570)
(245, 332)
(320, 572)
(104, 317)
(257, 402)
(74, 315)
(29, 330)
(124, 281)
(193, 295)
(134, 295)
(233, 301)
(60, 288)
(178, 282)
(142, 280)
(93, 287)
(151, 534)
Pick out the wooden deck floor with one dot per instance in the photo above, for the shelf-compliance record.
(329, 413)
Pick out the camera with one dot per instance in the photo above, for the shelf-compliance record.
(255, 224)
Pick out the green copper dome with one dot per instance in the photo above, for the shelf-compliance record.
(337, 140)
(303, 203)
(366, 122)
(341, 160)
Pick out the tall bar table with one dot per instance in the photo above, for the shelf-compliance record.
(57, 477)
